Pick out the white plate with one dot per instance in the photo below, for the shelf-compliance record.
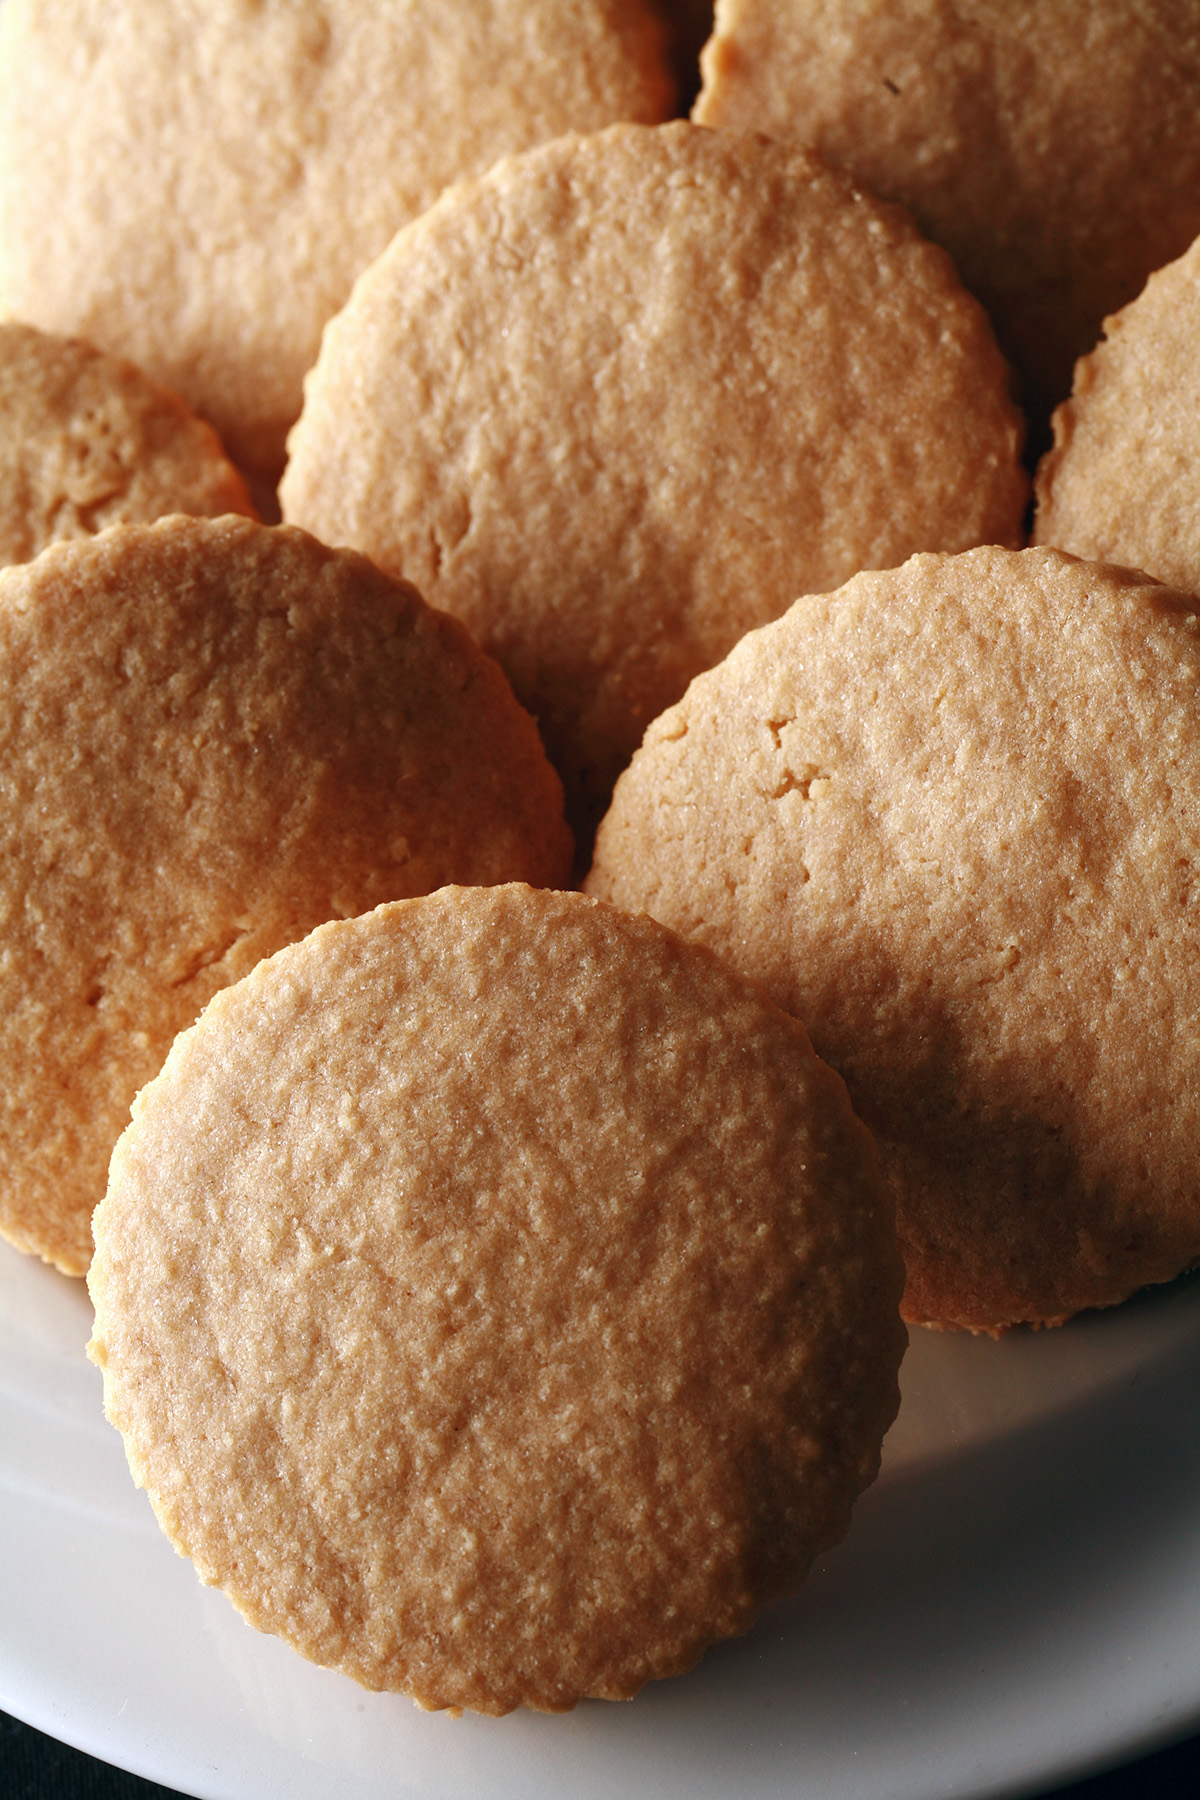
(1016, 1602)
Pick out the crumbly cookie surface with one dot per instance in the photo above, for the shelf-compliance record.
(87, 440)
(196, 186)
(1122, 483)
(631, 394)
(1054, 150)
(949, 817)
(215, 736)
(498, 1299)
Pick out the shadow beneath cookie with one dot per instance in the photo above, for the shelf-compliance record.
(1049, 1576)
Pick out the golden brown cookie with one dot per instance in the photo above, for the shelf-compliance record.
(214, 736)
(1122, 483)
(950, 818)
(1053, 149)
(630, 394)
(498, 1299)
(87, 440)
(197, 186)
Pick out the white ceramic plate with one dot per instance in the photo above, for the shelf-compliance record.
(1016, 1603)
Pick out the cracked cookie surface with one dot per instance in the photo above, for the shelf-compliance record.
(499, 1299)
(214, 736)
(88, 440)
(950, 818)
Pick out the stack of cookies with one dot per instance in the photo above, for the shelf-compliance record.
(497, 1289)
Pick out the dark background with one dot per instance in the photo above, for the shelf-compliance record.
(33, 1767)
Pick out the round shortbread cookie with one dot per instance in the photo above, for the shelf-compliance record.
(197, 185)
(498, 1299)
(215, 736)
(1053, 149)
(88, 440)
(950, 818)
(1122, 483)
(626, 397)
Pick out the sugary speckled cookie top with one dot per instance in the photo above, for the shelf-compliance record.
(498, 1299)
(1122, 482)
(214, 736)
(196, 185)
(631, 394)
(87, 440)
(950, 818)
(1054, 149)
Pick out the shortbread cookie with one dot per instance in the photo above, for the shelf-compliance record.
(1122, 483)
(197, 186)
(87, 440)
(499, 1300)
(950, 818)
(214, 737)
(1053, 149)
(630, 395)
